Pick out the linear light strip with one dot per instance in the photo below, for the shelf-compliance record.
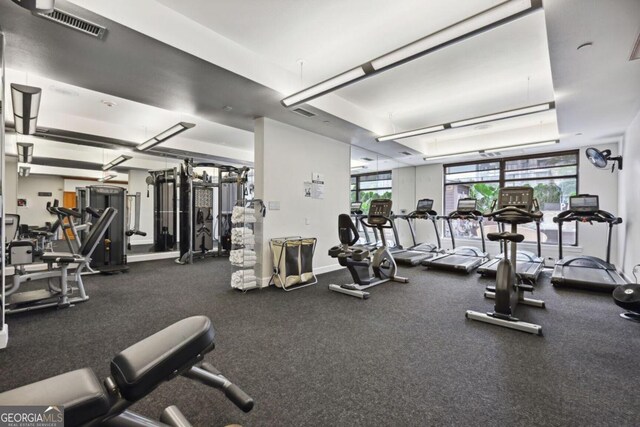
(115, 162)
(163, 136)
(326, 86)
(498, 15)
(473, 121)
(494, 150)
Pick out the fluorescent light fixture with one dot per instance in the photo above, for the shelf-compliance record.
(410, 133)
(39, 6)
(107, 177)
(493, 150)
(115, 162)
(25, 152)
(454, 33)
(358, 167)
(324, 87)
(506, 11)
(26, 104)
(446, 156)
(504, 115)
(516, 146)
(24, 171)
(163, 136)
(467, 122)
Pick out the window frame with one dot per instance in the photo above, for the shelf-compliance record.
(502, 173)
(358, 179)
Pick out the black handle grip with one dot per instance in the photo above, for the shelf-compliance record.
(241, 399)
(94, 213)
(141, 233)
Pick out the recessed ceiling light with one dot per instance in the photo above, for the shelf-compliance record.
(585, 45)
(108, 103)
(227, 108)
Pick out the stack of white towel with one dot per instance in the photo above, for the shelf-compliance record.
(242, 214)
(242, 236)
(243, 257)
(243, 279)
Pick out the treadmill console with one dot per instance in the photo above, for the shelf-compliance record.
(517, 197)
(584, 204)
(424, 206)
(356, 207)
(379, 211)
(467, 205)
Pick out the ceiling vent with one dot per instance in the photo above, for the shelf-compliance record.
(635, 54)
(491, 154)
(74, 22)
(367, 159)
(303, 112)
(406, 153)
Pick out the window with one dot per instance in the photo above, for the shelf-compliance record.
(370, 186)
(554, 178)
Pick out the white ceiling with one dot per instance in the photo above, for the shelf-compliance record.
(69, 107)
(331, 36)
(530, 61)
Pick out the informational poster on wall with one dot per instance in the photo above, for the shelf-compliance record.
(307, 189)
(317, 185)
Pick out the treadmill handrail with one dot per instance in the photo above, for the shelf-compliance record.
(597, 216)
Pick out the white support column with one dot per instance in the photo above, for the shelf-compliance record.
(285, 158)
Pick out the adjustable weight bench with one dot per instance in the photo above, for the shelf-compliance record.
(135, 372)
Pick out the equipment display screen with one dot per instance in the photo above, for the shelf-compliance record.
(380, 207)
(467, 205)
(584, 203)
(424, 205)
(518, 197)
(355, 206)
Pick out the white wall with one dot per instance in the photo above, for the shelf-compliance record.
(137, 184)
(403, 195)
(11, 185)
(35, 213)
(629, 195)
(285, 157)
(592, 239)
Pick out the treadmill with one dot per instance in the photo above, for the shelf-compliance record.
(586, 272)
(417, 253)
(528, 265)
(464, 258)
(357, 215)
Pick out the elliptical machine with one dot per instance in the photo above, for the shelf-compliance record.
(516, 205)
(368, 269)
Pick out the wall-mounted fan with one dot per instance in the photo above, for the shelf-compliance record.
(600, 159)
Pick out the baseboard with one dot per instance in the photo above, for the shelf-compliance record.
(152, 256)
(264, 281)
(4, 336)
(327, 269)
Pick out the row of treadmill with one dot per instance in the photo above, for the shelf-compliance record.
(585, 272)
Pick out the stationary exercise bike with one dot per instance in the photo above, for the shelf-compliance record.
(516, 205)
(367, 268)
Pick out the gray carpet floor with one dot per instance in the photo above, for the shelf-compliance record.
(406, 356)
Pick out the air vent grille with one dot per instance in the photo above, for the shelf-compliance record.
(406, 153)
(303, 112)
(491, 154)
(367, 159)
(635, 54)
(75, 22)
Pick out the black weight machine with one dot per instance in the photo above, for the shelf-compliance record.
(206, 205)
(165, 208)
